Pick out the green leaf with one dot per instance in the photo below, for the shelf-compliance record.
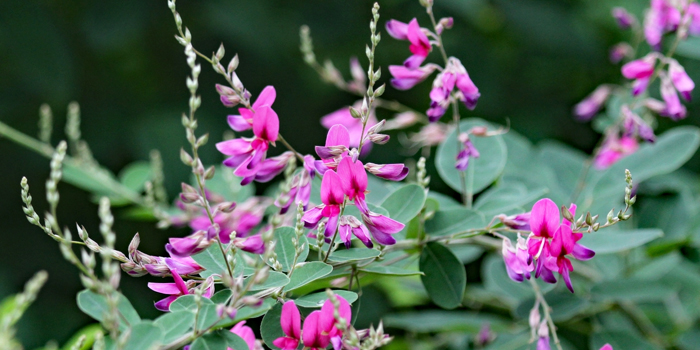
(186, 302)
(389, 270)
(444, 202)
(316, 300)
(212, 260)
(95, 306)
(605, 242)
(405, 203)
(285, 249)
(248, 312)
(466, 253)
(274, 280)
(270, 328)
(219, 341)
(444, 276)
(632, 289)
(482, 171)
(135, 175)
(89, 332)
(620, 340)
(690, 47)
(353, 254)
(452, 221)
(444, 321)
(175, 324)
(221, 296)
(308, 273)
(144, 335)
(207, 316)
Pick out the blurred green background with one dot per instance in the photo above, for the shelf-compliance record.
(532, 60)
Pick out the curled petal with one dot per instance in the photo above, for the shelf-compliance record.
(164, 304)
(398, 30)
(312, 216)
(332, 189)
(266, 98)
(393, 172)
(239, 123)
(580, 252)
(266, 124)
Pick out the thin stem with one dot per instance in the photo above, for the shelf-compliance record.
(547, 310)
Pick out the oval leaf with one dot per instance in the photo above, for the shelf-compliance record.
(353, 254)
(308, 273)
(316, 300)
(444, 276)
(175, 324)
(95, 306)
(270, 328)
(285, 249)
(405, 203)
(452, 221)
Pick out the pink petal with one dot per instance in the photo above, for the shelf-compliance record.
(164, 304)
(312, 333)
(245, 332)
(398, 30)
(164, 288)
(291, 320)
(238, 123)
(234, 147)
(266, 124)
(266, 98)
(338, 135)
(332, 189)
(544, 218)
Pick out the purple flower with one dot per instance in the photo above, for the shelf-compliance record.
(454, 75)
(661, 18)
(620, 51)
(586, 109)
(332, 196)
(680, 79)
(393, 172)
(674, 108)
(543, 336)
(349, 225)
(518, 261)
(469, 151)
(177, 289)
(406, 78)
(624, 19)
(352, 125)
(640, 70)
(634, 125)
(420, 45)
(613, 149)
(516, 222)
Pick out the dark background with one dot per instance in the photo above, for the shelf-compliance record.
(532, 60)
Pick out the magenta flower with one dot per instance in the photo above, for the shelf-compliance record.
(563, 244)
(291, 326)
(586, 109)
(420, 45)
(469, 151)
(607, 347)
(353, 125)
(620, 51)
(454, 75)
(313, 332)
(247, 155)
(244, 121)
(175, 290)
(192, 244)
(406, 78)
(634, 125)
(337, 146)
(246, 333)
(640, 70)
(328, 322)
(544, 222)
(662, 17)
(516, 222)
(350, 225)
(518, 261)
(694, 14)
(624, 19)
(680, 79)
(354, 181)
(663, 110)
(613, 149)
(393, 172)
(332, 196)
(674, 108)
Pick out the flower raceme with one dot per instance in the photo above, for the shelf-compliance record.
(247, 155)
(550, 244)
(454, 75)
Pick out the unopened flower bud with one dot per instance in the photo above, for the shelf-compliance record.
(227, 207)
(209, 173)
(186, 157)
(479, 131)
(379, 139)
(189, 198)
(566, 213)
(233, 64)
(355, 113)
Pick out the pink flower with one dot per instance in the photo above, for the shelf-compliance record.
(350, 225)
(518, 262)
(247, 155)
(613, 149)
(680, 79)
(175, 290)
(244, 121)
(328, 321)
(674, 108)
(291, 326)
(607, 347)
(586, 109)
(313, 332)
(420, 45)
(694, 13)
(640, 70)
(662, 17)
(635, 126)
(332, 196)
(624, 19)
(516, 222)
(406, 78)
(620, 51)
(454, 75)
(392, 172)
(246, 333)
(469, 151)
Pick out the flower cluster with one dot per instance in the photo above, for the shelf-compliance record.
(345, 179)
(452, 76)
(548, 248)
